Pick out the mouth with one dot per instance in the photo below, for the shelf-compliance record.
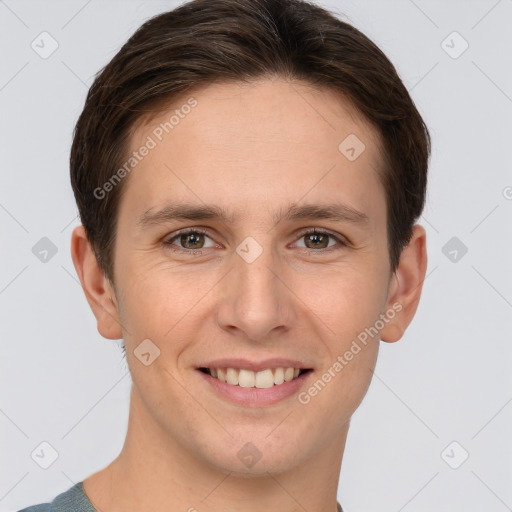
(263, 379)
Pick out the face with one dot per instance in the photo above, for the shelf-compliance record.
(256, 288)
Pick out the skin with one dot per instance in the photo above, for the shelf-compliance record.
(252, 149)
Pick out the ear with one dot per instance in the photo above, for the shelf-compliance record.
(97, 288)
(406, 285)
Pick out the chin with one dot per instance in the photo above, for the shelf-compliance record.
(249, 457)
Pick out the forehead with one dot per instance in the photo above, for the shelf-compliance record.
(251, 145)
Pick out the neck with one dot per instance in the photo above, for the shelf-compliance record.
(154, 472)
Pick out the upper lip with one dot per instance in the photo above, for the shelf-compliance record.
(245, 364)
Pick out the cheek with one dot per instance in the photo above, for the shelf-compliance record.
(349, 309)
(164, 303)
(157, 292)
(346, 299)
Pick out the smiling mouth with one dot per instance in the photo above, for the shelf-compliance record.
(248, 379)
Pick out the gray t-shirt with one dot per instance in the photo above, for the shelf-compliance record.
(73, 500)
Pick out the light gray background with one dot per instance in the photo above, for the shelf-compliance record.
(448, 379)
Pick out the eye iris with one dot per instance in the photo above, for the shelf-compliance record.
(316, 237)
(195, 237)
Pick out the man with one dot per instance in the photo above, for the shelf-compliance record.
(248, 176)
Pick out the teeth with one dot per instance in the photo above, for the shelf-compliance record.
(279, 376)
(232, 377)
(264, 379)
(249, 379)
(246, 378)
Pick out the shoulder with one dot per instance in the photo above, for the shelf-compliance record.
(72, 500)
(43, 507)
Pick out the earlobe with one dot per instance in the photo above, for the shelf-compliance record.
(405, 290)
(97, 288)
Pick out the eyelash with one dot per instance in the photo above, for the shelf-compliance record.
(199, 252)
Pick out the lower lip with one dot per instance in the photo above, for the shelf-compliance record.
(256, 397)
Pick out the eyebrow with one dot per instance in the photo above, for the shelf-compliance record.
(187, 211)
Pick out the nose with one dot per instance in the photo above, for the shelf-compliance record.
(255, 300)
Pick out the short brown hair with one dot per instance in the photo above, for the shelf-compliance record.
(206, 41)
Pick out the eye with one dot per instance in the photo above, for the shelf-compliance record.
(192, 240)
(316, 240)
